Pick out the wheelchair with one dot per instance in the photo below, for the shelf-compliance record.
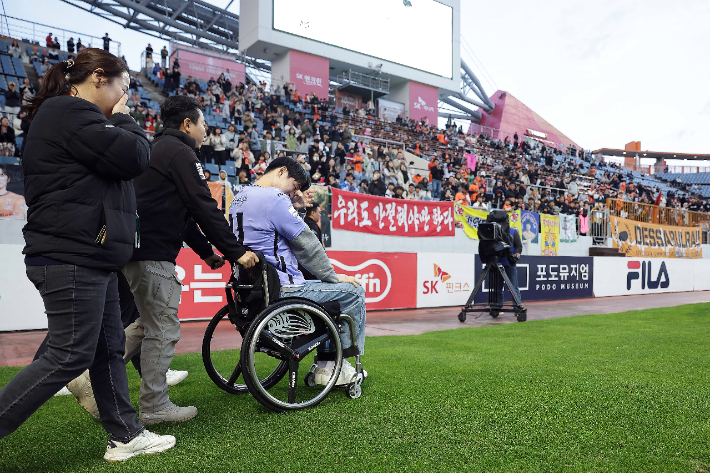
(276, 337)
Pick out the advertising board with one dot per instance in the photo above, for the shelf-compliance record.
(626, 276)
(389, 279)
(197, 63)
(444, 279)
(202, 288)
(545, 278)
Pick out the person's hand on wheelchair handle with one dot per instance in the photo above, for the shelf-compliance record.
(350, 279)
(215, 261)
(248, 260)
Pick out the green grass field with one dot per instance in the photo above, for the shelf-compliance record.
(617, 392)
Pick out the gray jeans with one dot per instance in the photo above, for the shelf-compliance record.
(85, 331)
(156, 290)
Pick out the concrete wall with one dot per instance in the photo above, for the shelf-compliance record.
(459, 243)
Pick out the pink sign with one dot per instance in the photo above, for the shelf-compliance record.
(423, 102)
(309, 73)
(207, 67)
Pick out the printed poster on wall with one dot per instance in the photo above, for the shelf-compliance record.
(384, 216)
(530, 223)
(568, 228)
(469, 218)
(642, 239)
(550, 231)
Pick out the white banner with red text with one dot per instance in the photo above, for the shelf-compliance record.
(384, 216)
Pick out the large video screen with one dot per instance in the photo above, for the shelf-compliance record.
(413, 33)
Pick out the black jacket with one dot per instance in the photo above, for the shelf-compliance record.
(378, 187)
(172, 190)
(78, 168)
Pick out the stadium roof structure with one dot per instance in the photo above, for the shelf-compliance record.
(622, 153)
(511, 115)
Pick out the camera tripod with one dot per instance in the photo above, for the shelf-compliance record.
(492, 306)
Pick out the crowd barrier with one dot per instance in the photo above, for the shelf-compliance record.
(399, 281)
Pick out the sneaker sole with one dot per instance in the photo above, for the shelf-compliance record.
(160, 421)
(125, 456)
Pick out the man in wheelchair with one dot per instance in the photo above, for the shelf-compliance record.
(266, 219)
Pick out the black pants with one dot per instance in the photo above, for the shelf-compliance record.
(85, 331)
(129, 314)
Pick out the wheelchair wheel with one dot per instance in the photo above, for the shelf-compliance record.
(224, 367)
(289, 332)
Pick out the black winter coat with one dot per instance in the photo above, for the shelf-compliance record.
(78, 169)
(172, 190)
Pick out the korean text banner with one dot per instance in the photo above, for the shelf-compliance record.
(383, 216)
(640, 239)
(468, 218)
(550, 234)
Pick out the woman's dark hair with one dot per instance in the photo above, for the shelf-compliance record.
(62, 77)
(177, 108)
(294, 169)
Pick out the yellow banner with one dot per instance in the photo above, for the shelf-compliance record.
(469, 219)
(641, 239)
(550, 235)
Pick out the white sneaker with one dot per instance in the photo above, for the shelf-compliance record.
(81, 388)
(171, 413)
(145, 442)
(347, 374)
(174, 377)
(325, 370)
(63, 392)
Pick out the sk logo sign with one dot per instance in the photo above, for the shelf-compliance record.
(662, 280)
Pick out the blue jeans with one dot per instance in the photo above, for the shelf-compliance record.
(512, 272)
(435, 189)
(85, 331)
(352, 302)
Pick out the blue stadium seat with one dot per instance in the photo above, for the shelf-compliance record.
(9, 160)
(231, 168)
(19, 141)
(212, 168)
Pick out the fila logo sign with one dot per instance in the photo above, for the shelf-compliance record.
(643, 270)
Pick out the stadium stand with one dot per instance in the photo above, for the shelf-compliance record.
(520, 170)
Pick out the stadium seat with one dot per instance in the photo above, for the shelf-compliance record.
(212, 168)
(231, 168)
(9, 160)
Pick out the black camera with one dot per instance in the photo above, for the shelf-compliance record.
(490, 231)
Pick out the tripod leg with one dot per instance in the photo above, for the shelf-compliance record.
(479, 283)
(516, 299)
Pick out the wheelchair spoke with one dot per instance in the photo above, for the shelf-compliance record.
(235, 374)
(292, 379)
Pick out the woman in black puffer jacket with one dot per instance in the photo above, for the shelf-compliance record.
(83, 150)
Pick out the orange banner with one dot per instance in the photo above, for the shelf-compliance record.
(639, 239)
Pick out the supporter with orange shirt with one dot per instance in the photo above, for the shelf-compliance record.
(357, 165)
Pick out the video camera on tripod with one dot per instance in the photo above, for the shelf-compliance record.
(495, 242)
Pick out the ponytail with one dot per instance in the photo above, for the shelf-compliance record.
(62, 77)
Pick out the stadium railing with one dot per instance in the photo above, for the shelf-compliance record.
(648, 213)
